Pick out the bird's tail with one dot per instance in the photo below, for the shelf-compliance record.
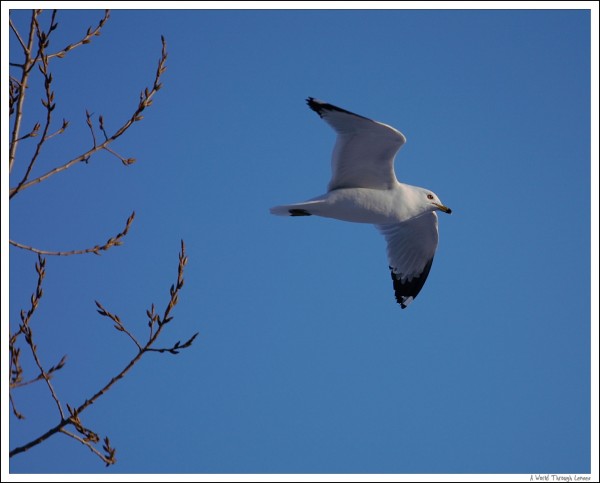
(306, 208)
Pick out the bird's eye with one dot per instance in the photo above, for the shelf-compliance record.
(430, 197)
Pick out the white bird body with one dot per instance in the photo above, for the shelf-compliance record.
(364, 189)
(360, 205)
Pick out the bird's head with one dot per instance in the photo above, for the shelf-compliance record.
(431, 200)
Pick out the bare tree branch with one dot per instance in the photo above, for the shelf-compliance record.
(70, 424)
(88, 121)
(125, 161)
(26, 67)
(174, 291)
(29, 339)
(144, 102)
(48, 102)
(89, 436)
(40, 376)
(14, 408)
(177, 347)
(108, 458)
(111, 242)
(31, 134)
(85, 40)
(62, 129)
(16, 32)
(25, 329)
(118, 324)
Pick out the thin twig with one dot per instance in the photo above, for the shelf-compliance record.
(111, 242)
(40, 268)
(118, 324)
(174, 290)
(29, 338)
(40, 376)
(85, 40)
(15, 80)
(14, 407)
(177, 347)
(88, 121)
(25, 328)
(33, 133)
(13, 95)
(153, 319)
(15, 369)
(125, 161)
(62, 129)
(16, 32)
(107, 460)
(101, 123)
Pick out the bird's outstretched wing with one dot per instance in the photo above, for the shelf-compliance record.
(364, 152)
(411, 247)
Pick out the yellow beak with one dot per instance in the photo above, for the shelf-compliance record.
(443, 208)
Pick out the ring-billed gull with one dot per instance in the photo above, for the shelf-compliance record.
(364, 189)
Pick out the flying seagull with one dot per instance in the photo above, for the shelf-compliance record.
(364, 189)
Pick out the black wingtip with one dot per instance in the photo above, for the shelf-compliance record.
(316, 105)
(299, 212)
(321, 108)
(407, 291)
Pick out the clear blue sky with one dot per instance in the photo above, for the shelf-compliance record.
(304, 362)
